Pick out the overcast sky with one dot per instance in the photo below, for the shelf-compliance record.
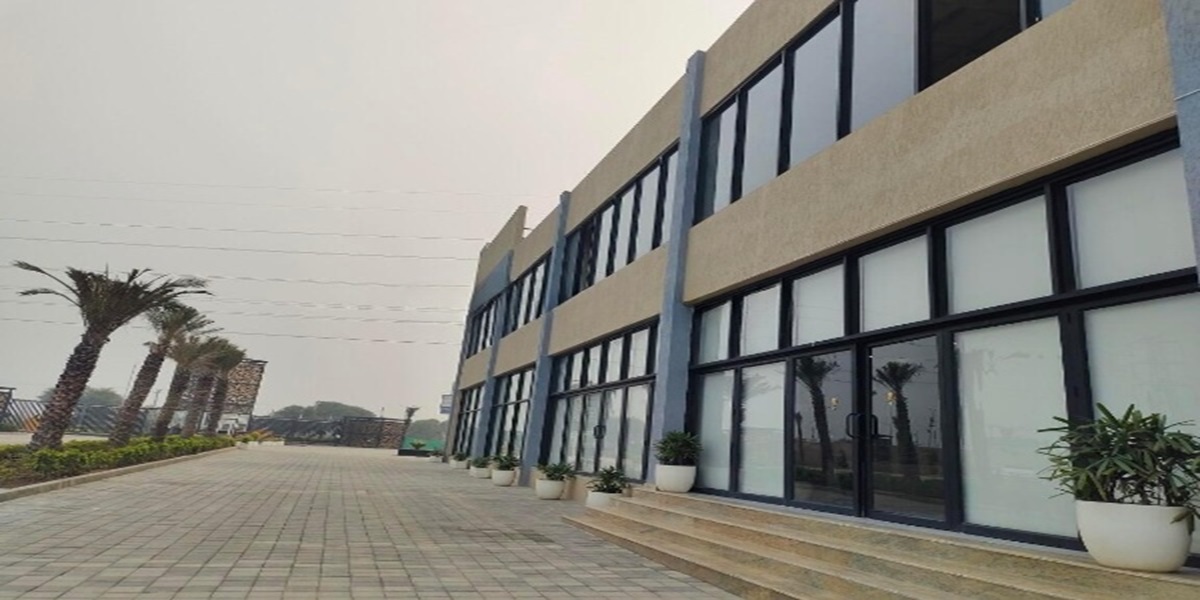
(412, 128)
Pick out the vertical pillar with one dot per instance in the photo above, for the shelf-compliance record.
(479, 442)
(539, 403)
(675, 320)
(455, 397)
(1183, 36)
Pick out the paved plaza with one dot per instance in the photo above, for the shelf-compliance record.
(309, 522)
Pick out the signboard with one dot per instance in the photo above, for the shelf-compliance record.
(244, 381)
(447, 404)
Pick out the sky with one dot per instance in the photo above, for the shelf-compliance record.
(333, 167)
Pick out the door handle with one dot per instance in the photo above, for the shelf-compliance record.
(849, 427)
(874, 426)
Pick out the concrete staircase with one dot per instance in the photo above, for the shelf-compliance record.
(758, 551)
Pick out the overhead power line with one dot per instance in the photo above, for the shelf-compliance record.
(232, 230)
(315, 281)
(230, 249)
(304, 304)
(252, 204)
(263, 334)
(284, 188)
(272, 315)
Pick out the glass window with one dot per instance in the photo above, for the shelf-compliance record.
(520, 422)
(885, 57)
(818, 306)
(668, 201)
(823, 450)
(761, 470)
(1050, 7)
(961, 31)
(716, 156)
(636, 417)
(570, 267)
(815, 92)
(760, 148)
(576, 371)
(999, 257)
(613, 367)
(647, 213)
(574, 414)
(716, 422)
(610, 442)
(760, 321)
(591, 418)
(604, 243)
(895, 285)
(639, 352)
(714, 334)
(1010, 384)
(1132, 222)
(624, 230)
(539, 288)
(556, 436)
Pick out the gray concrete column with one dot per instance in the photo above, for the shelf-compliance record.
(539, 403)
(500, 274)
(675, 320)
(1183, 34)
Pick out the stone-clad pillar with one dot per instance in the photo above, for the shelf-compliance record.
(1183, 35)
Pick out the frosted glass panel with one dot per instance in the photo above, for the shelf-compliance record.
(760, 154)
(760, 321)
(610, 444)
(1146, 354)
(819, 306)
(637, 405)
(624, 230)
(556, 440)
(714, 334)
(762, 449)
(1000, 257)
(613, 368)
(895, 285)
(647, 214)
(604, 243)
(639, 352)
(588, 441)
(1010, 384)
(1132, 222)
(571, 446)
(716, 422)
(885, 57)
(815, 92)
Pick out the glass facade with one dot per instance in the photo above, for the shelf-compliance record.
(511, 414)
(470, 401)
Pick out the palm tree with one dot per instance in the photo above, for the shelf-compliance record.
(105, 304)
(205, 378)
(894, 376)
(224, 362)
(405, 424)
(812, 373)
(174, 323)
(187, 354)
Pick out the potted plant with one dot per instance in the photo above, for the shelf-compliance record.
(609, 483)
(458, 460)
(677, 453)
(417, 445)
(481, 468)
(1135, 480)
(554, 480)
(435, 456)
(504, 470)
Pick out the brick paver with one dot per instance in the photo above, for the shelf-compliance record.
(300, 523)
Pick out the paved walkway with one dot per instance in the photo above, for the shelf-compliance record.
(301, 523)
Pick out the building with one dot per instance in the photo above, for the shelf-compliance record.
(866, 249)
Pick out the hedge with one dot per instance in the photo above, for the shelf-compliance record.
(78, 457)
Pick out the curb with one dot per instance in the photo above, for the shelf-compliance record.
(58, 484)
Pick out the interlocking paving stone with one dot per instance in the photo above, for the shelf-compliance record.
(298, 523)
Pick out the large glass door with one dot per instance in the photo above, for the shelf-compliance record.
(823, 423)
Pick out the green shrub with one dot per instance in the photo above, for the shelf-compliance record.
(76, 458)
(557, 471)
(507, 463)
(13, 451)
(609, 480)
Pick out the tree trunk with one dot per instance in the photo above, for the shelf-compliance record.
(909, 461)
(132, 408)
(821, 420)
(216, 407)
(179, 383)
(68, 390)
(200, 395)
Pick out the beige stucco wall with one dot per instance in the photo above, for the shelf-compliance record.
(518, 348)
(629, 296)
(757, 35)
(536, 244)
(1092, 78)
(474, 369)
(506, 239)
(657, 130)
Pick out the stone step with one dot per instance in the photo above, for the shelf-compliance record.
(1051, 572)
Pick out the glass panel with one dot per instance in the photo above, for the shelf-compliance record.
(534, 300)
(999, 258)
(624, 230)
(604, 243)
(520, 422)
(1132, 222)
(591, 419)
(714, 334)
(906, 429)
(563, 381)
(556, 435)
(499, 425)
(761, 470)
(613, 368)
(638, 403)
(593, 368)
(570, 267)
(505, 437)
(822, 450)
(1145, 354)
(1010, 384)
(885, 57)
(539, 288)
(669, 197)
(961, 31)
(815, 92)
(610, 444)
(760, 321)
(574, 414)
(895, 285)
(639, 349)
(716, 156)
(577, 370)
(1050, 7)
(760, 153)
(716, 422)
(819, 306)
(647, 213)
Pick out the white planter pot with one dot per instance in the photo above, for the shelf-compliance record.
(600, 499)
(481, 473)
(503, 478)
(458, 464)
(271, 443)
(1132, 536)
(549, 490)
(433, 459)
(673, 478)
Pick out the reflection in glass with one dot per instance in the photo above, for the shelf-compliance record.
(762, 447)
(571, 448)
(716, 185)
(823, 451)
(610, 442)
(961, 31)
(556, 435)
(716, 420)
(637, 407)
(760, 153)
(591, 419)
(906, 441)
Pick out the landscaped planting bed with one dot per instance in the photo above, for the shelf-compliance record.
(19, 466)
